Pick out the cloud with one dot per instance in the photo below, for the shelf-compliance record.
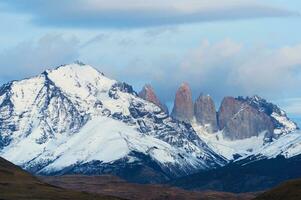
(31, 57)
(158, 31)
(137, 13)
(96, 39)
(271, 70)
(223, 68)
(219, 68)
(291, 105)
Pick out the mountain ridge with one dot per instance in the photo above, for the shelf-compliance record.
(75, 120)
(53, 113)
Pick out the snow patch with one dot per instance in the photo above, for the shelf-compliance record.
(226, 147)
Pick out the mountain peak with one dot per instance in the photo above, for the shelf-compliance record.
(184, 86)
(147, 93)
(183, 106)
(205, 112)
(75, 68)
(79, 79)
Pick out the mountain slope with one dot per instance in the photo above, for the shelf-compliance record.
(73, 119)
(16, 184)
(246, 175)
(290, 190)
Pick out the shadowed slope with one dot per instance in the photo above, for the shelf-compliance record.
(290, 190)
(247, 175)
(16, 184)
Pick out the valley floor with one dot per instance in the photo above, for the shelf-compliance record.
(111, 185)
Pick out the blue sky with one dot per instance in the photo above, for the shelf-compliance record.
(220, 47)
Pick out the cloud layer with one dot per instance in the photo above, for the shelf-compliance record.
(219, 68)
(137, 13)
(225, 68)
(32, 57)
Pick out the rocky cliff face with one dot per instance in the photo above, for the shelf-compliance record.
(281, 123)
(229, 107)
(183, 106)
(239, 120)
(248, 122)
(205, 113)
(147, 93)
(242, 118)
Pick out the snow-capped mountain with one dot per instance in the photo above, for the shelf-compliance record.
(73, 119)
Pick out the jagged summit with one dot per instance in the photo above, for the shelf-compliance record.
(183, 105)
(76, 67)
(205, 113)
(252, 126)
(242, 126)
(281, 123)
(241, 121)
(238, 118)
(147, 93)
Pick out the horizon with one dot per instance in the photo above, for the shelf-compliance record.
(221, 48)
(170, 104)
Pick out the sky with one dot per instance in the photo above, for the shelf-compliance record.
(220, 47)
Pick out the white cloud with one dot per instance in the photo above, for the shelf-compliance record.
(219, 68)
(31, 57)
(267, 70)
(223, 68)
(291, 106)
(137, 13)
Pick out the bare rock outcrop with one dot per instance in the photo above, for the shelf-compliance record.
(239, 120)
(147, 93)
(229, 107)
(205, 113)
(183, 106)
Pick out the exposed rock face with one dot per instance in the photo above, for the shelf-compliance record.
(147, 93)
(205, 113)
(239, 120)
(248, 122)
(183, 106)
(229, 107)
(282, 124)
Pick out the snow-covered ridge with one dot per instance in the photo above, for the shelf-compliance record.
(74, 115)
